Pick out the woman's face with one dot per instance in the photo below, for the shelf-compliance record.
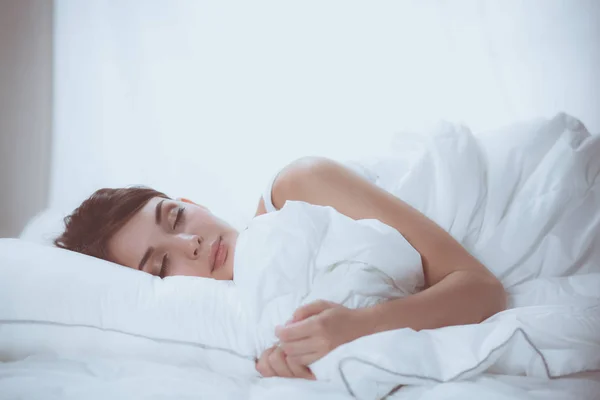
(169, 237)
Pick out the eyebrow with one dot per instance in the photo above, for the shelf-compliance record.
(158, 220)
(158, 212)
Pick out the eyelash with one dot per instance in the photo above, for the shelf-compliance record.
(179, 217)
(165, 263)
(164, 266)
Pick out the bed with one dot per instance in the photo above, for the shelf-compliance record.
(527, 204)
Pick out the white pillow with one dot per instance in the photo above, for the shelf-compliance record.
(44, 227)
(57, 301)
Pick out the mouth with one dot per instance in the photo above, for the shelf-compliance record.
(218, 253)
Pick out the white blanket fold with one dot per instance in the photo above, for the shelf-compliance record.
(525, 201)
(304, 253)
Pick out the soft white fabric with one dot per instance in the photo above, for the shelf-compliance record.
(283, 259)
(57, 301)
(304, 253)
(98, 378)
(93, 377)
(44, 227)
(523, 199)
(526, 203)
(267, 194)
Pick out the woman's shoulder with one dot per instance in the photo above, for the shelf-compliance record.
(363, 168)
(360, 167)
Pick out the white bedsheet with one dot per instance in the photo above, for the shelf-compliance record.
(526, 203)
(91, 378)
(61, 378)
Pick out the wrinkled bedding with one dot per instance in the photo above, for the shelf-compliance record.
(531, 215)
(531, 218)
(525, 201)
(304, 253)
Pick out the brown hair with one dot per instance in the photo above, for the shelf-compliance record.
(92, 224)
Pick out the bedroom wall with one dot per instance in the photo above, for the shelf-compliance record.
(25, 110)
(207, 100)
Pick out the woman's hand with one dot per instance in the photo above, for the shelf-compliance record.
(318, 328)
(273, 362)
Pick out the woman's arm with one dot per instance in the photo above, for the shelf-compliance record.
(459, 289)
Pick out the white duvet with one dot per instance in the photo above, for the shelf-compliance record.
(533, 220)
(524, 201)
(304, 253)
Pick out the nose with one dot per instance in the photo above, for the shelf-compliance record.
(190, 245)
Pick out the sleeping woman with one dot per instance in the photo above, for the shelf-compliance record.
(144, 229)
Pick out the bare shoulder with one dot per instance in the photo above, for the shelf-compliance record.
(305, 165)
(326, 182)
(291, 181)
(298, 177)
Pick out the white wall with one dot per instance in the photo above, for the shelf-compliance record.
(207, 99)
(25, 110)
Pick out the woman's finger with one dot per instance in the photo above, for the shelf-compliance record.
(263, 366)
(308, 310)
(300, 347)
(295, 331)
(305, 359)
(299, 370)
(278, 362)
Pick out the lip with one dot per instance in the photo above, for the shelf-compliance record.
(214, 248)
(221, 256)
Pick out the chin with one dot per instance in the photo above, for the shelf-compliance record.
(227, 272)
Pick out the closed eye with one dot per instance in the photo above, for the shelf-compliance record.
(163, 267)
(179, 217)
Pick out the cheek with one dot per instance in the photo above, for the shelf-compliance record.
(203, 217)
(188, 269)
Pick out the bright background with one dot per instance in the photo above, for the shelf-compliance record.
(208, 99)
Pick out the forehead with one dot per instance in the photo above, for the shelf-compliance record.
(128, 244)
